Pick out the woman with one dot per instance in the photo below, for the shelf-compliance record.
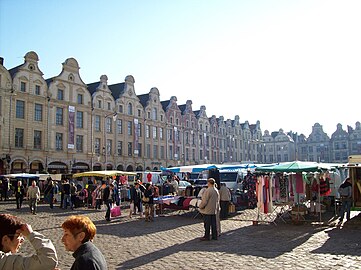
(148, 202)
(12, 234)
(19, 194)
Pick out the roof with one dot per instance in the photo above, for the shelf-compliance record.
(165, 104)
(92, 87)
(14, 70)
(182, 108)
(143, 99)
(117, 89)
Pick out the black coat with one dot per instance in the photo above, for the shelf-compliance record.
(88, 257)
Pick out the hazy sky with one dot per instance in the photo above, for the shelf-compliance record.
(286, 63)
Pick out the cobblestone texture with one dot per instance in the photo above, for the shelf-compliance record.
(171, 242)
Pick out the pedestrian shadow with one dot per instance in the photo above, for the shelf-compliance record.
(266, 241)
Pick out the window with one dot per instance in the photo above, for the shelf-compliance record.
(59, 141)
(155, 151)
(99, 104)
(130, 109)
(60, 94)
(130, 126)
(154, 132)
(97, 146)
(155, 114)
(19, 137)
(119, 148)
(120, 108)
(80, 99)
(162, 152)
(161, 133)
(108, 125)
(148, 115)
(37, 90)
(109, 147)
(97, 123)
(139, 113)
(147, 131)
(23, 86)
(130, 148)
(170, 152)
(119, 126)
(59, 116)
(37, 139)
(148, 151)
(139, 130)
(139, 149)
(109, 106)
(79, 143)
(38, 112)
(20, 109)
(79, 119)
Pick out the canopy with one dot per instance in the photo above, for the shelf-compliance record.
(26, 175)
(294, 166)
(102, 173)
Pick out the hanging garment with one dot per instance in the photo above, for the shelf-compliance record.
(299, 183)
(250, 185)
(325, 189)
(283, 187)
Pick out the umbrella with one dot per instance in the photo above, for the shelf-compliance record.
(102, 173)
(190, 168)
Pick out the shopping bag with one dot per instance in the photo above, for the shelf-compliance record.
(115, 211)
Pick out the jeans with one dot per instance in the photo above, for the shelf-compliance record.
(33, 205)
(224, 209)
(210, 222)
(66, 201)
(108, 203)
(98, 203)
(346, 206)
(19, 201)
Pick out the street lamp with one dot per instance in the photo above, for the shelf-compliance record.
(105, 148)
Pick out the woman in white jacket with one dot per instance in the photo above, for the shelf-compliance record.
(12, 234)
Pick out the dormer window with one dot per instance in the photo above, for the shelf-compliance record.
(60, 94)
(37, 90)
(23, 86)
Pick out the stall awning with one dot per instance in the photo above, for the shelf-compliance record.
(102, 173)
(204, 167)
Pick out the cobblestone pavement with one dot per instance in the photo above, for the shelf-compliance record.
(171, 242)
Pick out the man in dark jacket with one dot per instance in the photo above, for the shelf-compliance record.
(49, 192)
(19, 194)
(108, 199)
(78, 235)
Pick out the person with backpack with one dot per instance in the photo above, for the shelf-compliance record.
(345, 191)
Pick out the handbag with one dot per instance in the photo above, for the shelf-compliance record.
(115, 211)
(145, 199)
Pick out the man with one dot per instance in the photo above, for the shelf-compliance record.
(108, 199)
(66, 191)
(225, 198)
(33, 195)
(208, 208)
(12, 233)
(345, 191)
(49, 192)
(19, 194)
(78, 234)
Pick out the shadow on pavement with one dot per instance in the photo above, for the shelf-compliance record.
(263, 241)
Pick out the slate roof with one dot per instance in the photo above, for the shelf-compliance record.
(92, 87)
(117, 89)
(182, 108)
(143, 99)
(14, 70)
(165, 104)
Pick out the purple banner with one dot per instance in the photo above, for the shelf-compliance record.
(71, 114)
(136, 137)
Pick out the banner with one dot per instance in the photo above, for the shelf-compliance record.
(136, 137)
(71, 136)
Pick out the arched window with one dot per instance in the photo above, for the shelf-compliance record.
(130, 109)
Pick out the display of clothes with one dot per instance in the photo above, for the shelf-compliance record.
(325, 188)
(264, 194)
(249, 185)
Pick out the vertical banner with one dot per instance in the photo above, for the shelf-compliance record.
(136, 137)
(71, 115)
(205, 146)
(175, 143)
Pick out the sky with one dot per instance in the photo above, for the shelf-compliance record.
(288, 64)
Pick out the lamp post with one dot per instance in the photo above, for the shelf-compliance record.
(105, 148)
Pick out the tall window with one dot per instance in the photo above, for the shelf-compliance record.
(80, 99)
(97, 146)
(79, 119)
(130, 148)
(59, 116)
(147, 131)
(108, 125)
(154, 132)
(139, 113)
(59, 141)
(148, 151)
(130, 109)
(37, 139)
(161, 135)
(109, 106)
(120, 108)
(97, 123)
(20, 109)
(130, 128)
(139, 130)
(23, 86)
(155, 114)
(120, 148)
(155, 151)
(139, 149)
(119, 126)
(38, 116)
(99, 104)
(109, 147)
(37, 90)
(60, 94)
(161, 152)
(79, 143)
(19, 137)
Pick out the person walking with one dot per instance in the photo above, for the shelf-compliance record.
(98, 195)
(149, 202)
(19, 194)
(225, 198)
(73, 194)
(108, 199)
(49, 192)
(208, 208)
(78, 235)
(66, 191)
(345, 191)
(33, 195)
(13, 233)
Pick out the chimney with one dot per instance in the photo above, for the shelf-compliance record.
(1, 61)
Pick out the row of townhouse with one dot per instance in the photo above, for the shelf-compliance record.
(62, 125)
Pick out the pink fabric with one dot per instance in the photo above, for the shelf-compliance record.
(299, 184)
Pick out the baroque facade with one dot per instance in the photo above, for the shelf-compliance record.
(64, 125)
